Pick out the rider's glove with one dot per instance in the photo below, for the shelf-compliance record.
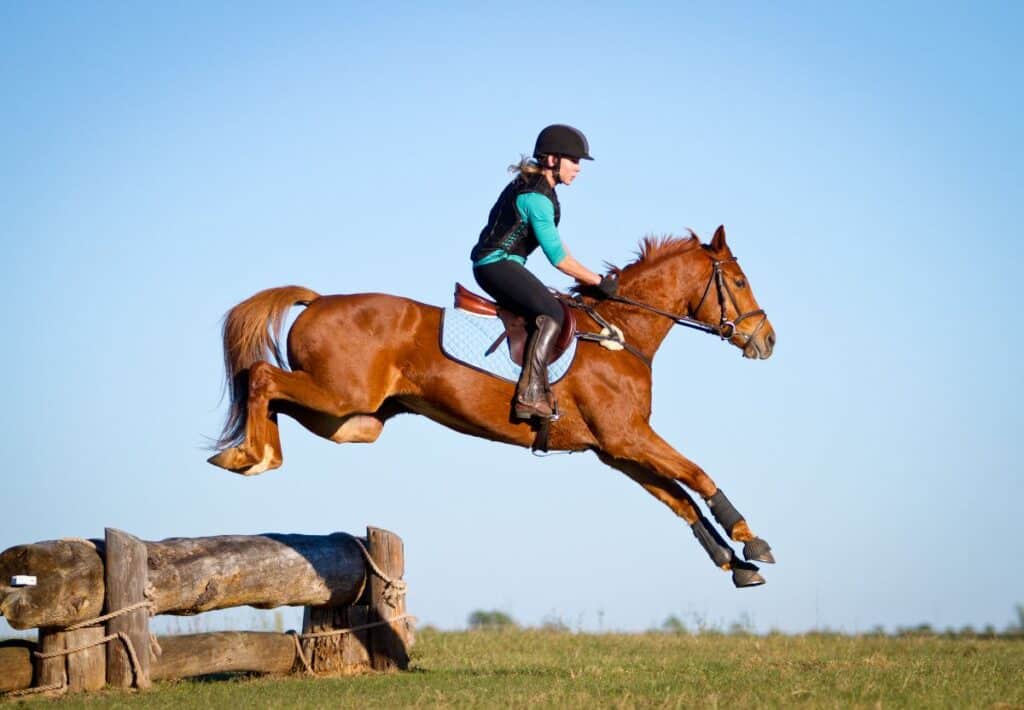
(609, 285)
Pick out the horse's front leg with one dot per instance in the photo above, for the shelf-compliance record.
(651, 452)
(675, 497)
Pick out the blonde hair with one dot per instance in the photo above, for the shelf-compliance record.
(526, 166)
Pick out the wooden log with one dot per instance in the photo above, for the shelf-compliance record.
(389, 648)
(69, 586)
(186, 575)
(341, 654)
(51, 671)
(126, 558)
(86, 669)
(191, 575)
(224, 652)
(15, 665)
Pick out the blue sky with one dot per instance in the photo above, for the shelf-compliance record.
(163, 163)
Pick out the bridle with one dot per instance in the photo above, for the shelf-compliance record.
(725, 329)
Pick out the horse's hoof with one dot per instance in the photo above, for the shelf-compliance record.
(745, 574)
(224, 459)
(758, 550)
(235, 461)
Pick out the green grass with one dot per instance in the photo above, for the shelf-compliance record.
(536, 668)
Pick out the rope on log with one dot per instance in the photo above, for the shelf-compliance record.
(112, 615)
(33, 691)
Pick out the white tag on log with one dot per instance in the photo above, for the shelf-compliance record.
(23, 580)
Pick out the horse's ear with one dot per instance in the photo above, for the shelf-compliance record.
(718, 241)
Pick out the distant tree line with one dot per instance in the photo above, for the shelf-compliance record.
(744, 626)
(494, 620)
(491, 620)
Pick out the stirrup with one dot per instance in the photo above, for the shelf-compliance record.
(528, 410)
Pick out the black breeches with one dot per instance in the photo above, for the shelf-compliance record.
(513, 286)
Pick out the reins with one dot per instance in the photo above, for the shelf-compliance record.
(675, 318)
(725, 329)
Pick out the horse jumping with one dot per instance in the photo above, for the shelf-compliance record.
(354, 361)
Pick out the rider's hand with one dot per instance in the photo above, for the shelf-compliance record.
(609, 285)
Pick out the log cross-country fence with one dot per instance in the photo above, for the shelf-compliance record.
(92, 600)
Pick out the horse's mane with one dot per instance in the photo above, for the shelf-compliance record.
(652, 249)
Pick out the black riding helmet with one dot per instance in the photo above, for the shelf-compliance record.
(560, 139)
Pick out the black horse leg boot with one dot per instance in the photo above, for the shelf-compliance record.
(532, 391)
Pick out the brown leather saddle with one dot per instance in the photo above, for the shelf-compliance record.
(515, 325)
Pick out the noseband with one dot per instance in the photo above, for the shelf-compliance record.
(727, 328)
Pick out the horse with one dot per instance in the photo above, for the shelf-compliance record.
(354, 361)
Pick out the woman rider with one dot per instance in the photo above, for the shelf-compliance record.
(524, 217)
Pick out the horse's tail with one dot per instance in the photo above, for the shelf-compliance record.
(252, 332)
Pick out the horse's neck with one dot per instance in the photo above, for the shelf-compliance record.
(674, 286)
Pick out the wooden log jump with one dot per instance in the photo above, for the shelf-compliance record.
(351, 587)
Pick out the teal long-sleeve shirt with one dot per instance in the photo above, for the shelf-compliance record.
(539, 211)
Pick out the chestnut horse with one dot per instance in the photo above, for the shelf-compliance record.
(357, 360)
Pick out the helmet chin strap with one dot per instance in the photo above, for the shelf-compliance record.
(557, 168)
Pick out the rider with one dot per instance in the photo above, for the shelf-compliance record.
(524, 217)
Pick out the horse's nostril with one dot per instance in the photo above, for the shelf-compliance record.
(771, 340)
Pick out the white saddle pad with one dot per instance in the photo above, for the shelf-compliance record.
(466, 336)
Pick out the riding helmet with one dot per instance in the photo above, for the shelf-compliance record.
(560, 139)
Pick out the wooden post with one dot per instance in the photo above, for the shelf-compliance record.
(87, 669)
(389, 646)
(337, 655)
(51, 671)
(78, 671)
(126, 575)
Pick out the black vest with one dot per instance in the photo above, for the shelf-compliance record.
(505, 229)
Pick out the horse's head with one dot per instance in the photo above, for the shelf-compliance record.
(728, 302)
(681, 280)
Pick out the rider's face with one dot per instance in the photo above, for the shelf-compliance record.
(568, 170)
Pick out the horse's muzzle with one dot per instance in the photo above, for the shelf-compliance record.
(759, 345)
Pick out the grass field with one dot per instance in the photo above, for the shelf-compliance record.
(538, 668)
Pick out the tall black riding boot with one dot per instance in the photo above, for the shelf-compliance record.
(532, 391)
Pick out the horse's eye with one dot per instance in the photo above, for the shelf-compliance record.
(740, 283)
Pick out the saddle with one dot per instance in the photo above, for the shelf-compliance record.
(515, 325)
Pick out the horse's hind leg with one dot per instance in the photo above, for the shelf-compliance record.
(260, 450)
(654, 454)
(348, 429)
(672, 494)
(299, 395)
